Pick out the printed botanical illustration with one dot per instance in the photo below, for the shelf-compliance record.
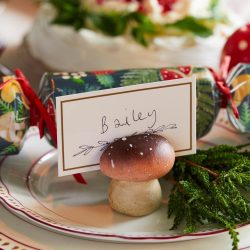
(59, 84)
(14, 113)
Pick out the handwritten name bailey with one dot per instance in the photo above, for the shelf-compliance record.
(133, 118)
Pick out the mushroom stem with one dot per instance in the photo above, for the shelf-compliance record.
(135, 198)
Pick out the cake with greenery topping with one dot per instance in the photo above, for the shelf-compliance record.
(77, 35)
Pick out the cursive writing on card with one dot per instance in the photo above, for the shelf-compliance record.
(102, 145)
(129, 120)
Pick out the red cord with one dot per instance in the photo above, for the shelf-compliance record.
(221, 83)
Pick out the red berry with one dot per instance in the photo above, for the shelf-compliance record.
(185, 69)
(50, 107)
(100, 1)
(102, 72)
(238, 47)
(170, 74)
(167, 4)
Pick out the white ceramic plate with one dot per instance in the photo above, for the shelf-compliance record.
(30, 188)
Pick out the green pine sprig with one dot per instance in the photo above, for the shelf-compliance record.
(138, 76)
(211, 187)
(245, 115)
(106, 81)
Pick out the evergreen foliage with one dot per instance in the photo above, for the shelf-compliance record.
(5, 107)
(79, 81)
(210, 187)
(245, 115)
(21, 113)
(106, 80)
(137, 76)
(206, 108)
(10, 150)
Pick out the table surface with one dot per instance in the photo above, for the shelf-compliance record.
(16, 233)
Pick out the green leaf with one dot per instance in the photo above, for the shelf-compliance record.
(21, 113)
(79, 81)
(106, 80)
(70, 13)
(145, 29)
(213, 5)
(113, 23)
(138, 76)
(5, 107)
(207, 106)
(193, 25)
(198, 70)
(245, 115)
(10, 150)
(137, 24)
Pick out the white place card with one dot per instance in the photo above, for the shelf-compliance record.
(88, 122)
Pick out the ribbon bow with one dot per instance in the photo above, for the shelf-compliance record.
(38, 113)
(223, 87)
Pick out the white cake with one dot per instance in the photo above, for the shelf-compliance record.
(61, 47)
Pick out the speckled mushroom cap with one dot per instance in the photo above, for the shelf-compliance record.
(139, 157)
